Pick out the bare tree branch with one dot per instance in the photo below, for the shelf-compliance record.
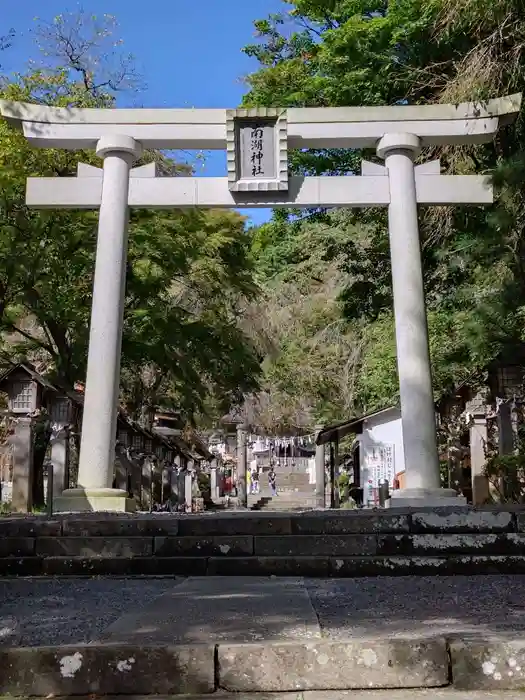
(87, 46)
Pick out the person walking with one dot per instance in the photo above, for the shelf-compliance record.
(255, 481)
(272, 482)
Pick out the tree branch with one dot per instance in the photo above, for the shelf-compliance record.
(15, 329)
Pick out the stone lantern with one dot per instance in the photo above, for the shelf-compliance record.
(24, 392)
(24, 388)
(60, 409)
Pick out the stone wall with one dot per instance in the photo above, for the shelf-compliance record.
(321, 544)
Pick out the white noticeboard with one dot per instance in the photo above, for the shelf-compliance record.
(311, 471)
(380, 464)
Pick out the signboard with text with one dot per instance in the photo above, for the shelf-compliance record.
(257, 150)
(380, 464)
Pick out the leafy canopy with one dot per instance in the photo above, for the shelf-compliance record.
(354, 52)
(189, 272)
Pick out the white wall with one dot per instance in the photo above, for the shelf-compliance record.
(382, 429)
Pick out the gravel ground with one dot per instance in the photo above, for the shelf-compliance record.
(36, 612)
(40, 612)
(412, 606)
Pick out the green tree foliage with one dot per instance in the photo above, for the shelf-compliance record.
(189, 273)
(311, 371)
(359, 52)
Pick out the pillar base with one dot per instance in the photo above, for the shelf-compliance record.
(93, 500)
(425, 498)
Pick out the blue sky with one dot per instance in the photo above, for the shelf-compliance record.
(189, 51)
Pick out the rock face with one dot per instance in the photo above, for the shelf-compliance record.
(310, 543)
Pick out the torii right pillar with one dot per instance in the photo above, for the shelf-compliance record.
(418, 417)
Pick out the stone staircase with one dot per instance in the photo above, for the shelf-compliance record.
(285, 501)
(313, 543)
(257, 502)
(291, 481)
(294, 493)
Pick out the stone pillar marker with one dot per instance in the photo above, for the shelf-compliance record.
(242, 464)
(99, 423)
(336, 472)
(60, 410)
(423, 484)
(188, 491)
(320, 473)
(175, 480)
(478, 444)
(60, 462)
(505, 428)
(22, 443)
(213, 480)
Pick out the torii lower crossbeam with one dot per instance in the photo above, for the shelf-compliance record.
(213, 192)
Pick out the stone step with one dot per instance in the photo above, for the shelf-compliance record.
(313, 543)
(257, 503)
(199, 670)
(288, 500)
(258, 565)
(279, 507)
(293, 484)
(241, 635)
(266, 545)
(290, 477)
(408, 694)
(193, 668)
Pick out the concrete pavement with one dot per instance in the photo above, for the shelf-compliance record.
(236, 634)
(54, 611)
(224, 609)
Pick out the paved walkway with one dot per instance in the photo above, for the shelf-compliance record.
(199, 635)
(36, 612)
(238, 610)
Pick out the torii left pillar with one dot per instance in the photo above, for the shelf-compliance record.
(99, 423)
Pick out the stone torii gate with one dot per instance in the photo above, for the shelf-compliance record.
(257, 143)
